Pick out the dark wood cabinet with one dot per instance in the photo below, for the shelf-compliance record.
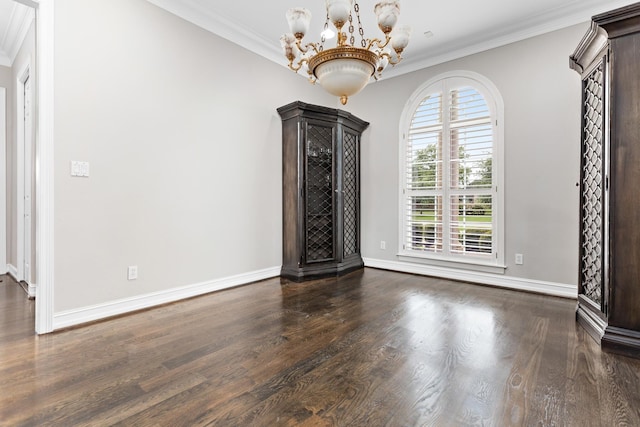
(321, 191)
(608, 59)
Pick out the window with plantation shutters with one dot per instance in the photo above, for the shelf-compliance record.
(450, 190)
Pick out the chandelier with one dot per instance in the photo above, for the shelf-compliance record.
(346, 69)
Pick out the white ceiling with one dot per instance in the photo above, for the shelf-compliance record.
(459, 27)
(15, 19)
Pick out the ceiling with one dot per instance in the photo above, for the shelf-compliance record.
(15, 19)
(458, 27)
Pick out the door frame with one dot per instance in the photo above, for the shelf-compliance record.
(3, 181)
(44, 107)
(24, 173)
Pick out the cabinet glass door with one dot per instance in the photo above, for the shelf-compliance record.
(319, 192)
(350, 194)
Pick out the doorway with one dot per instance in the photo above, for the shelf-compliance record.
(19, 53)
(41, 269)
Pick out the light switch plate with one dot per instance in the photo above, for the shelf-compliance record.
(79, 168)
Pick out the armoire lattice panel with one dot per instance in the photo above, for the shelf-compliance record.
(350, 196)
(319, 188)
(592, 185)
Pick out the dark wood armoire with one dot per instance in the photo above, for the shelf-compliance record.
(320, 191)
(608, 59)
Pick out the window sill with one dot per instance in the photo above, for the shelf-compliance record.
(455, 263)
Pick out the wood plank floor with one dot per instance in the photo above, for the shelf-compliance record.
(374, 348)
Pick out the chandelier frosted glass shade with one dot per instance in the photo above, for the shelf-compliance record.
(387, 13)
(345, 69)
(400, 38)
(338, 11)
(299, 19)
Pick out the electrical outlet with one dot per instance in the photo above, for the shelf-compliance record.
(519, 259)
(132, 272)
(383, 244)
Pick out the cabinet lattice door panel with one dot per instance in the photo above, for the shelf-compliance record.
(320, 191)
(350, 194)
(593, 185)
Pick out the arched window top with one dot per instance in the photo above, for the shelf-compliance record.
(432, 88)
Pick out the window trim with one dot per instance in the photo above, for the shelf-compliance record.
(496, 105)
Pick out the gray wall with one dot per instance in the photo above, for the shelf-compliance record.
(5, 76)
(184, 144)
(6, 81)
(542, 130)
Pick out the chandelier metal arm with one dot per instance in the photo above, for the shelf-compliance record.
(390, 58)
(378, 43)
(299, 65)
(305, 48)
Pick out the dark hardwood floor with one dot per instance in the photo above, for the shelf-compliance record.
(374, 348)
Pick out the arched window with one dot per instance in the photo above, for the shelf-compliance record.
(451, 195)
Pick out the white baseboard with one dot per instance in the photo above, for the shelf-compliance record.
(31, 290)
(92, 313)
(13, 271)
(517, 283)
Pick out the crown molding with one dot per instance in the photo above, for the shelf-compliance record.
(577, 12)
(591, 45)
(224, 27)
(31, 3)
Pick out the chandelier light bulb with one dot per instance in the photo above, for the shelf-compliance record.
(328, 34)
